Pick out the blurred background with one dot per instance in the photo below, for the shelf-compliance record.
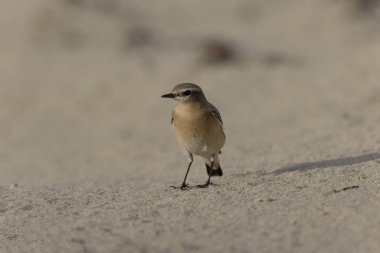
(80, 84)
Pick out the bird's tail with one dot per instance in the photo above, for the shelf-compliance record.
(216, 170)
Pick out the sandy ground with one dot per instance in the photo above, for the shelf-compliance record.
(87, 155)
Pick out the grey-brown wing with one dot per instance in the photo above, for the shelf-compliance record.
(216, 114)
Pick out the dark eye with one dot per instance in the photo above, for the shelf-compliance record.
(187, 93)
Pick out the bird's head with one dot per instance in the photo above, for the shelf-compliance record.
(186, 92)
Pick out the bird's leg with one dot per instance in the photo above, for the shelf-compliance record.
(184, 185)
(208, 182)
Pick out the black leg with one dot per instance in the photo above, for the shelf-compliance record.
(209, 178)
(184, 185)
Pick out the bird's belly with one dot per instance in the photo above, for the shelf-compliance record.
(199, 141)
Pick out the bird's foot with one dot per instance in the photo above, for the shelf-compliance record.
(202, 186)
(183, 187)
(206, 185)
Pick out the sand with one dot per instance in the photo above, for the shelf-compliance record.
(87, 155)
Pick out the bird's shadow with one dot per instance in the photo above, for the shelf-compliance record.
(328, 163)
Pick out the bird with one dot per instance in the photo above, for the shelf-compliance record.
(198, 127)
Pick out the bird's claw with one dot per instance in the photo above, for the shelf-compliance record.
(206, 185)
(183, 187)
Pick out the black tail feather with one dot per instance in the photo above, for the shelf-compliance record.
(218, 172)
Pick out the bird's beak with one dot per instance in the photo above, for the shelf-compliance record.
(169, 95)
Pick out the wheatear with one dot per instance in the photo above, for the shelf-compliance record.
(198, 127)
